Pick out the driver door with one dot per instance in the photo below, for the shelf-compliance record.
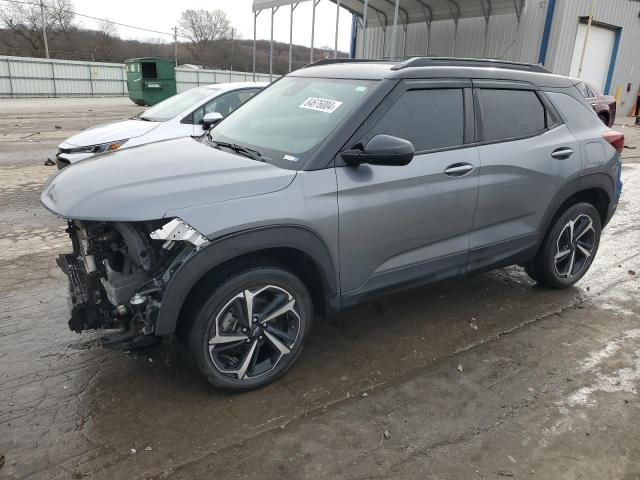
(404, 225)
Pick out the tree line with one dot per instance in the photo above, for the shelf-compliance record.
(205, 37)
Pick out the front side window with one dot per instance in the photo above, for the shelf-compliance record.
(508, 114)
(289, 120)
(224, 104)
(430, 119)
(175, 105)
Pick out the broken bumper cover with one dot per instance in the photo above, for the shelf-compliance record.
(81, 302)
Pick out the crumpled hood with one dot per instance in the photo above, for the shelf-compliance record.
(145, 182)
(110, 132)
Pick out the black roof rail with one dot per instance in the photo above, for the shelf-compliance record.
(329, 61)
(468, 62)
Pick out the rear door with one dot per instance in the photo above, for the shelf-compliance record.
(526, 156)
(404, 224)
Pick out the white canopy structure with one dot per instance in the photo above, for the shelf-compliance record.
(396, 13)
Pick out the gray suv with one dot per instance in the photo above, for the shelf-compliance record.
(339, 183)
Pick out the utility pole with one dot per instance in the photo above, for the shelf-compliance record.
(44, 29)
(232, 48)
(175, 44)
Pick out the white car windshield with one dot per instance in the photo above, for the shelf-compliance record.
(291, 118)
(177, 104)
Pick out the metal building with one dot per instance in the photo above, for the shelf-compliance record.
(550, 32)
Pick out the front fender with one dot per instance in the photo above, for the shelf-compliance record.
(236, 245)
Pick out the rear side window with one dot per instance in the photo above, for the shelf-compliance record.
(510, 114)
(429, 119)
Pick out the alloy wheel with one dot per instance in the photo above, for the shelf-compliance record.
(254, 331)
(574, 246)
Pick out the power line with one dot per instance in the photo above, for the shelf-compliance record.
(23, 2)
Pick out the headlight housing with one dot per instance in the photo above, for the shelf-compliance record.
(99, 148)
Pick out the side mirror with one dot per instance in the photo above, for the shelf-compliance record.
(210, 119)
(381, 150)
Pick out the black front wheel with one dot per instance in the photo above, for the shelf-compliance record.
(251, 329)
(569, 248)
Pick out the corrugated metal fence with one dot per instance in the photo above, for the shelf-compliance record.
(187, 78)
(39, 77)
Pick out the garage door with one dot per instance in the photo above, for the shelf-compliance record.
(597, 56)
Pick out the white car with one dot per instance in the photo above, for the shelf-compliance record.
(189, 113)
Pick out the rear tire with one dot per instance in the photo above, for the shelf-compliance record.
(569, 248)
(251, 328)
(604, 119)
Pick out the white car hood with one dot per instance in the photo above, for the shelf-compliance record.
(110, 132)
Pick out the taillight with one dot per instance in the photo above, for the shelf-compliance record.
(615, 138)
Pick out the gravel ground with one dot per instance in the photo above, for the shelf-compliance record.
(485, 377)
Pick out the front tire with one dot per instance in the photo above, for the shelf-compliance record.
(251, 328)
(569, 248)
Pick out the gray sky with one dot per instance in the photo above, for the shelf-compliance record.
(163, 15)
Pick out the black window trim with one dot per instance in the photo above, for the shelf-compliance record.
(552, 118)
(188, 119)
(464, 84)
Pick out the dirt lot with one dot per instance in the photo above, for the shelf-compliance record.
(488, 377)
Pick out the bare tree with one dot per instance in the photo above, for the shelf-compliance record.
(25, 20)
(203, 27)
(100, 41)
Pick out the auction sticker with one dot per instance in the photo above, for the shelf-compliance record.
(320, 104)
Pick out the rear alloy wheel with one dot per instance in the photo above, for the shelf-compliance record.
(570, 247)
(574, 246)
(252, 328)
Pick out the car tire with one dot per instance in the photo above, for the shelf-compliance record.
(604, 119)
(569, 247)
(232, 339)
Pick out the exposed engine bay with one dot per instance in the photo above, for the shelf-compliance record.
(118, 272)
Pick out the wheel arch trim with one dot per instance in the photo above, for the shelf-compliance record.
(596, 180)
(237, 245)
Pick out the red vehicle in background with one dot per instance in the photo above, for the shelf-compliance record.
(604, 105)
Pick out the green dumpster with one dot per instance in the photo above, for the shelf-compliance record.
(150, 80)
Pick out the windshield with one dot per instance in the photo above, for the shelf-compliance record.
(290, 119)
(177, 104)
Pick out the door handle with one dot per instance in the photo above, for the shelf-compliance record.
(562, 153)
(458, 169)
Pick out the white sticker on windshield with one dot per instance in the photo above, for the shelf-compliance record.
(320, 104)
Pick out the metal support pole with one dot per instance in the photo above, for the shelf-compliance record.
(293, 7)
(404, 42)
(486, 13)
(456, 16)
(273, 11)
(44, 29)
(313, 26)
(586, 38)
(394, 33)
(364, 29)
(255, 19)
(175, 44)
(335, 48)
(91, 80)
(10, 78)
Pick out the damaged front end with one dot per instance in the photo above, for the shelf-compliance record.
(118, 272)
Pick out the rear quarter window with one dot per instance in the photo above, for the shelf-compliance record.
(508, 114)
(575, 114)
